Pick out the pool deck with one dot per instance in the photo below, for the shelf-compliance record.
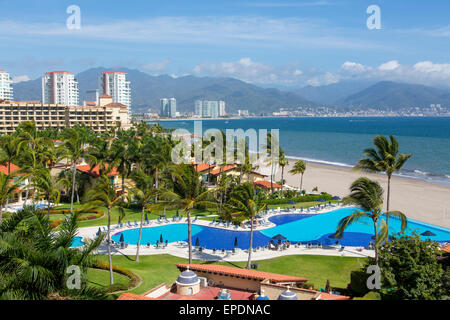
(180, 249)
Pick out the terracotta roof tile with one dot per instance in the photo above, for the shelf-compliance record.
(329, 296)
(4, 168)
(446, 248)
(265, 184)
(95, 172)
(224, 169)
(131, 296)
(254, 274)
(203, 167)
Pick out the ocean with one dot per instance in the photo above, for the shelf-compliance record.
(341, 141)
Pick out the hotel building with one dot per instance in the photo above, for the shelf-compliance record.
(169, 107)
(6, 90)
(116, 85)
(209, 109)
(99, 118)
(60, 87)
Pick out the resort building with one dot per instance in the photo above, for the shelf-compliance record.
(209, 109)
(6, 90)
(99, 118)
(60, 87)
(21, 194)
(116, 85)
(217, 282)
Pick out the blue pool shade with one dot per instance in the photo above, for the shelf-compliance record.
(122, 238)
(335, 236)
(428, 233)
(336, 198)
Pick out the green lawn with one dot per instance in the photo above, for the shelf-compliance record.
(100, 278)
(156, 269)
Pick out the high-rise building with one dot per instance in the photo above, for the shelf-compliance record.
(209, 109)
(116, 85)
(168, 107)
(6, 90)
(60, 87)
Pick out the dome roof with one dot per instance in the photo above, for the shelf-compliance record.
(262, 298)
(287, 295)
(187, 277)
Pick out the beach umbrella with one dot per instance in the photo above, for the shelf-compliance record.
(428, 234)
(98, 232)
(279, 237)
(235, 242)
(122, 238)
(197, 242)
(120, 220)
(177, 213)
(321, 200)
(336, 198)
(335, 236)
(160, 238)
(146, 217)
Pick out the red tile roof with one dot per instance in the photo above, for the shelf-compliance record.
(329, 296)
(59, 71)
(446, 248)
(4, 168)
(203, 167)
(208, 293)
(238, 272)
(131, 296)
(224, 169)
(95, 172)
(265, 184)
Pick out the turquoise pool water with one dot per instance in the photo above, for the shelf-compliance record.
(77, 242)
(296, 228)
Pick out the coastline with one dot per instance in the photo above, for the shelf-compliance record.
(419, 200)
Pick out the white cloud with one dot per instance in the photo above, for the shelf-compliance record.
(390, 65)
(18, 79)
(353, 67)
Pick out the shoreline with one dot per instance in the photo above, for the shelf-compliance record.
(419, 200)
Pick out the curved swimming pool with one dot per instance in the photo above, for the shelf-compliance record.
(295, 227)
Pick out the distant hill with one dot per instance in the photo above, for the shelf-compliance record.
(328, 94)
(148, 89)
(394, 95)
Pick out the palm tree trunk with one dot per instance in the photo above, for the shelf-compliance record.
(48, 207)
(156, 185)
(271, 177)
(282, 180)
(188, 214)
(301, 183)
(376, 245)
(123, 188)
(9, 172)
(140, 234)
(27, 193)
(1, 213)
(111, 278)
(73, 185)
(249, 262)
(387, 202)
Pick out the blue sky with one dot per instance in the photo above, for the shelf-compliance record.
(284, 43)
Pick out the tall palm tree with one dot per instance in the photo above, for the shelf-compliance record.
(283, 162)
(246, 202)
(143, 192)
(299, 168)
(34, 261)
(104, 194)
(368, 195)
(50, 187)
(74, 150)
(186, 194)
(385, 157)
(8, 187)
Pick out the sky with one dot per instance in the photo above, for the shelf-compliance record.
(285, 43)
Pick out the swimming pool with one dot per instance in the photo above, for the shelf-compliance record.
(77, 242)
(295, 227)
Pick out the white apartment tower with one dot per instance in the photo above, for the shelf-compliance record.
(116, 85)
(60, 87)
(6, 90)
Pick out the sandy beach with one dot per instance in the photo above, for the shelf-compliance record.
(419, 200)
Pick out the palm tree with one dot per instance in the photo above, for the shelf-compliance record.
(9, 149)
(299, 168)
(368, 195)
(143, 192)
(8, 187)
(104, 194)
(34, 261)
(283, 162)
(74, 150)
(186, 194)
(246, 202)
(50, 187)
(385, 158)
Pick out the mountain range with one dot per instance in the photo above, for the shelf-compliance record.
(147, 90)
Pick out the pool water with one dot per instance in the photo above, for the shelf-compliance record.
(295, 227)
(77, 242)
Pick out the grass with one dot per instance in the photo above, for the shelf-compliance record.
(100, 278)
(156, 269)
